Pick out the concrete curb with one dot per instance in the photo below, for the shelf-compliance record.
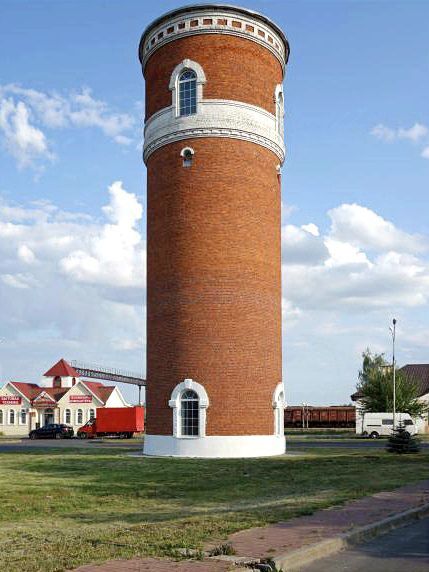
(294, 561)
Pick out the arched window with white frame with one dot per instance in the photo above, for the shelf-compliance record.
(279, 409)
(187, 93)
(91, 414)
(23, 417)
(67, 416)
(1, 417)
(79, 417)
(12, 417)
(189, 401)
(186, 86)
(279, 101)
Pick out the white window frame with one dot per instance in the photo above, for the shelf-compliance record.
(89, 413)
(21, 412)
(65, 416)
(280, 109)
(12, 412)
(175, 404)
(77, 417)
(174, 84)
(279, 404)
(1, 417)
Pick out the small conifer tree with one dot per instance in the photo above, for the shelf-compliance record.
(401, 441)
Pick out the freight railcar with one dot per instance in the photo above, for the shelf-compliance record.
(332, 416)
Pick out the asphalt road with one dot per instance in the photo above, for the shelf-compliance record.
(25, 445)
(403, 550)
(293, 444)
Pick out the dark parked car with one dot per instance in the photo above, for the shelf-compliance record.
(52, 431)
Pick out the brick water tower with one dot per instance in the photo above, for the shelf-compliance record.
(213, 150)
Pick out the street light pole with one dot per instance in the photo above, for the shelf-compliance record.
(393, 330)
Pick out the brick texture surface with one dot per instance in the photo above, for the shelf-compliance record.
(235, 68)
(214, 283)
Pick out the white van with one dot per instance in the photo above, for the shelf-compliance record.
(375, 425)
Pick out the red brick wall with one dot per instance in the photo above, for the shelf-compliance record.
(214, 285)
(235, 68)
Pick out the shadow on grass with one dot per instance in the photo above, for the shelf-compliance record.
(100, 487)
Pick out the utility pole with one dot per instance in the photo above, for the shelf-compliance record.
(393, 331)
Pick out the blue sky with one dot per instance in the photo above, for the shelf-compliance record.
(355, 186)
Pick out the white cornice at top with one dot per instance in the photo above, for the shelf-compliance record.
(206, 21)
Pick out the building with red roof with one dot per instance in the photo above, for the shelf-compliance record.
(61, 397)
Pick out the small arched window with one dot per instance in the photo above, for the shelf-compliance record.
(79, 417)
(189, 414)
(57, 381)
(187, 92)
(187, 153)
(67, 416)
(23, 417)
(11, 417)
(92, 414)
(73, 381)
(278, 96)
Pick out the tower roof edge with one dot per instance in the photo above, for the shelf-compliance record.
(189, 8)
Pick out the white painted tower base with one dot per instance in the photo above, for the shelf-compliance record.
(236, 446)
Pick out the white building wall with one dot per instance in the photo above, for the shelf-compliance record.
(116, 400)
(65, 381)
(19, 427)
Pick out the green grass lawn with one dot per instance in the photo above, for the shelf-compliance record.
(63, 508)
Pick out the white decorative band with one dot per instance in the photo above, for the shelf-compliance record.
(214, 118)
(212, 21)
(217, 446)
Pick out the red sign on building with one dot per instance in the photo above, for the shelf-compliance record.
(10, 400)
(43, 402)
(80, 399)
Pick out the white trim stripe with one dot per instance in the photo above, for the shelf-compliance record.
(215, 118)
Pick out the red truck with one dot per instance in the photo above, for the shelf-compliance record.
(120, 422)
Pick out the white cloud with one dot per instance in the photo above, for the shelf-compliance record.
(20, 281)
(363, 228)
(25, 115)
(383, 133)
(363, 262)
(299, 246)
(388, 134)
(26, 254)
(113, 255)
(416, 134)
(25, 142)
